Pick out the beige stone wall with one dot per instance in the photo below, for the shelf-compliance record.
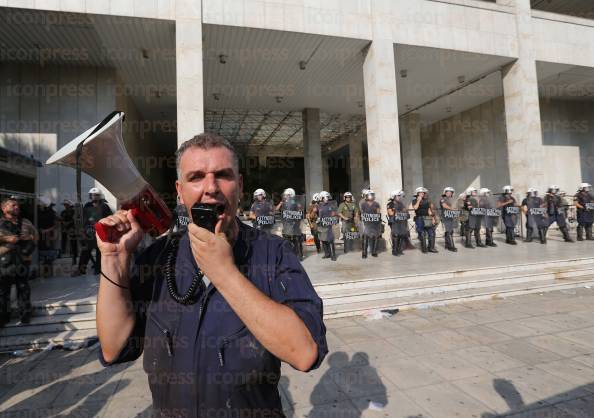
(469, 149)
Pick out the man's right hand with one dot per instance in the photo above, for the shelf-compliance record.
(129, 231)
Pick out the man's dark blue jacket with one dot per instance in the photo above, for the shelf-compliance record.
(201, 359)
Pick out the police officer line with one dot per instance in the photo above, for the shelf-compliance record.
(473, 212)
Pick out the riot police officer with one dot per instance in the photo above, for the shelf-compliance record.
(327, 217)
(584, 202)
(556, 211)
(509, 213)
(398, 220)
(492, 214)
(349, 214)
(312, 218)
(475, 219)
(449, 216)
(371, 219)
(262, 212)
(292, 212)
(425, 219)
(463, 216)
(536, 215)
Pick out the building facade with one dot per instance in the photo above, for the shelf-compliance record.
(408, 92)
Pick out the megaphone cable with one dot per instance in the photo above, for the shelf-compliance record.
(197, 285)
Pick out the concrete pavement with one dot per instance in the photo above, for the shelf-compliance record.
(525, 356)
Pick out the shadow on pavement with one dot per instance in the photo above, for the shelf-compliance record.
(576, 403)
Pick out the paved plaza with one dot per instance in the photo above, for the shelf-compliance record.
(525, 356)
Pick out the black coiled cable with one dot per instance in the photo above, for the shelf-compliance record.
(191, 296)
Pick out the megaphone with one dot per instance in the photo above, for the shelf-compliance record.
(100, 152)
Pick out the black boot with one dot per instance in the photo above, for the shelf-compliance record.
(509, 232)
(400, 242)
(446, 238)
(299, 244)
(467, 240)
(589, 233)
(374, 242)
(332, 251)
(528, 235)
(580, 233)
(365, 243)
(326, 246)
(395, 245)
(424, 242)
(489, 239)
(452, 245)
(432, 244)
(565, 233)
(317, 242)
(346, 245)
(477, 238)
(541, 237)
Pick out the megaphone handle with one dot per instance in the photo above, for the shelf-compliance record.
(106, 233)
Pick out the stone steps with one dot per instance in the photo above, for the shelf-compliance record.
(445, 297)
(400, 288)
(64, 320)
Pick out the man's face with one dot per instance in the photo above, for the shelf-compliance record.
(95, 197)
(421, 195)
(348, 199)
(209, 176)
(11, 208)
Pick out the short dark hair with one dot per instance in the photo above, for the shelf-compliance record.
(205, 141)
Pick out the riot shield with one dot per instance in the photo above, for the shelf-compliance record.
(450, 217)
(400, 219)
(476, 215)
(327, 218)
(182, 219)
(292, 213)
(264, 212)
(537, 215)
(588, 215)
(371, 220)
(510, 213)
(492, 214)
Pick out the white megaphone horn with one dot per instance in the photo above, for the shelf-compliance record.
(101, 153)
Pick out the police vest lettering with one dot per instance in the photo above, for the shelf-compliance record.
(183, 220)
(538, 211)
(352, 235)
(265, 220)
(478, 211)
(370, 217)
(589, 206)
(451, 214)
(512, 210)
(328, 221)
(493, 212)
(292, 214)
(400, 216)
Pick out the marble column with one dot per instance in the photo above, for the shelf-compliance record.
(189, 72)
(412, 158)
(381, 109)
(312, 152)
(522, 109)
(356, 162)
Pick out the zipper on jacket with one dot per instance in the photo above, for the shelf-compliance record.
(168, 337)
(220, 353)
